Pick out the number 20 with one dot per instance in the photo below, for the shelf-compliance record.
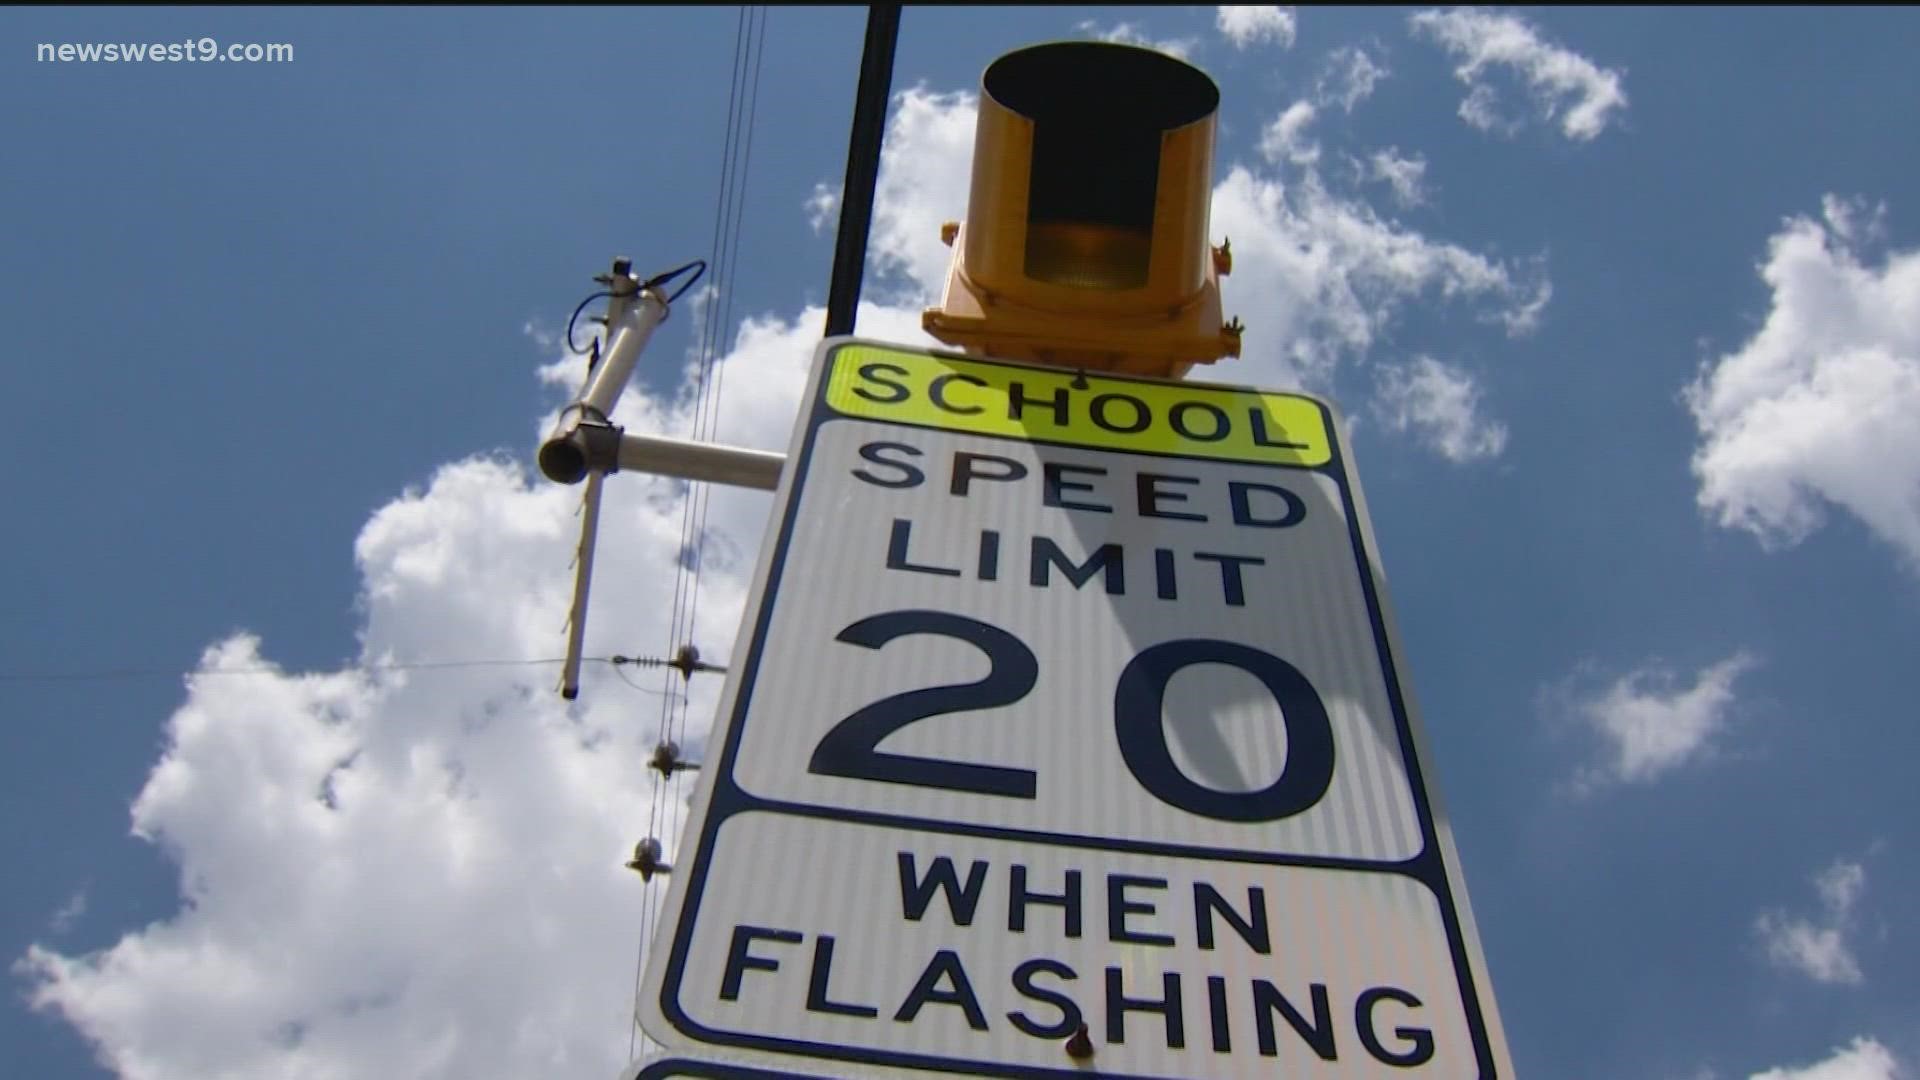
(850, 748)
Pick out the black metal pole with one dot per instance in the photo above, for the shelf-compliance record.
(863, 166)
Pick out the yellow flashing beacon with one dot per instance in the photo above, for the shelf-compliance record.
(1085, 244)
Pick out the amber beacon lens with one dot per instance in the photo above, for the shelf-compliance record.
(1086, 239)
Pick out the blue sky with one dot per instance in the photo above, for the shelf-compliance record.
(1624, 305)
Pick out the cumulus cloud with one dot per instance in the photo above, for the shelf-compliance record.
(1350, 75)
(364, 853)
(1481, 109)
(1862, 1059)
(68, 914)
(823, 207)
(925, 167)
(1649, 724)
(393, 870)
(1250, 25)
(1405, 176)
(1817, 409)
(1840, 885)
(390, 872)
(1440, 404)
(1818, 952)
(1286, 139)
(1819, 949)
(1127, 33)
(1562, 84)
(1329, 276)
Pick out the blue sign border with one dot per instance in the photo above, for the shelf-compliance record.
(727, 799)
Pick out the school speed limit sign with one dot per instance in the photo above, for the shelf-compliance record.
(1065, 732)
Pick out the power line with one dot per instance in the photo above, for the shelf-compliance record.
(122, 674)
(704, 492)
(749, 46)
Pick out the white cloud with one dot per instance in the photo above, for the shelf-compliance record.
(1523, 318)
(1863, 1059)
(1481, 109)
(1285, 140)
(1405, 176)
(1350, 76)
(1650, 725)
(1819, 950)
(68, 913)
(1320, 277)
(1440, 404)
(1840, 886)
(1249, 25)
(823, 207)
(925, 167)
(363, 856)
(1127, 33)
(417, 873)
(1817, 408)
(1584, 96)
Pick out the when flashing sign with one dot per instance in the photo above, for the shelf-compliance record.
(1067, 701)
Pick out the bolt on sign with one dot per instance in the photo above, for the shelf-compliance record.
(1066, 732)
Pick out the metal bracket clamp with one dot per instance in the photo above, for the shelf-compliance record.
(592, 445)
(585, 444)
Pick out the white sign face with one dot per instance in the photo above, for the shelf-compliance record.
(1065, 733)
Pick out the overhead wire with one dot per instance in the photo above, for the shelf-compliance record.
(714, 373)
(107, 674)
(719, 372)
(717, 265)
(716, 305)
(712, 382)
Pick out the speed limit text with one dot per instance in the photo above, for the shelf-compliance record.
(1084, 490)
